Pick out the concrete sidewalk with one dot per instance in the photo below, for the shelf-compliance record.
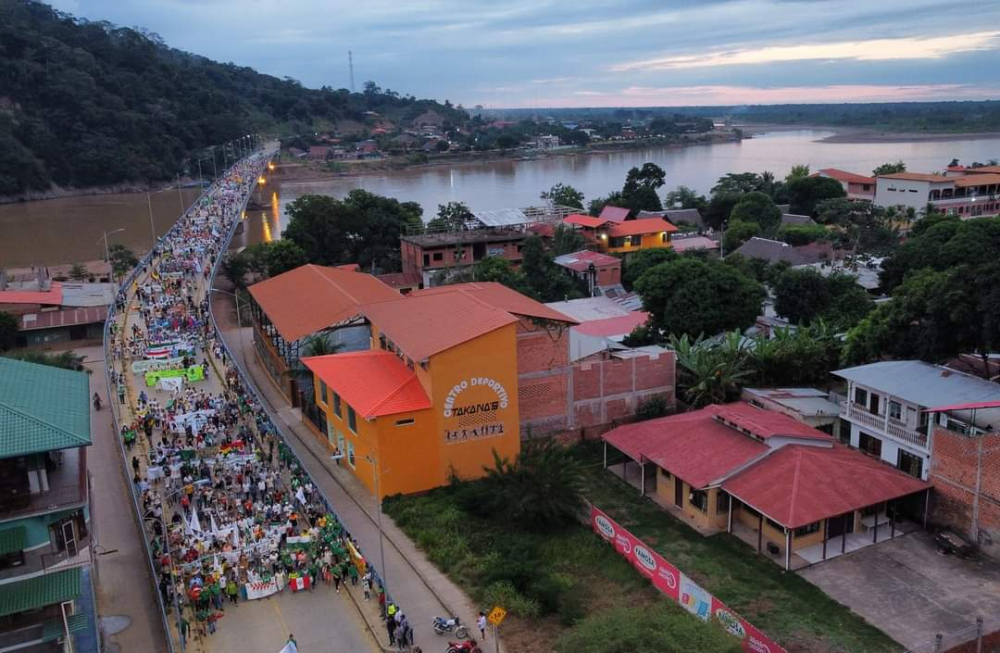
(413, 581)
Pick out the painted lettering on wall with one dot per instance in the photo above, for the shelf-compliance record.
(449, 402)
(463, 435)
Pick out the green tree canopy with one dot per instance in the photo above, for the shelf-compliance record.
(281, 256)
(759, 208)
(720, 205)
(546, 281)
(737, 233)
(889, 169)
(641, 184)
(566, 240)
(694, 296)
(683, 197)
(637, 264)
(798, 171)
(563, 195)
(804, 295)
(362, 228)
(805, 193)
(450, 217)
(122, 259)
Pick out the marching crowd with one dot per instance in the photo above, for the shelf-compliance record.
(231, 513)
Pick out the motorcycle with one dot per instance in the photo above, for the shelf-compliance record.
(468, 646)
(442, 626)
(97, 402)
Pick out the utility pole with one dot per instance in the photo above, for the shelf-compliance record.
(200, 181)
(152, 229)
(180, 195)
(215, 171)
(350, 65)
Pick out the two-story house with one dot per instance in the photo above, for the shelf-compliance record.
(46, 591)
(887, 408)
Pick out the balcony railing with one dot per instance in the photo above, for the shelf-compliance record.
(883, 424)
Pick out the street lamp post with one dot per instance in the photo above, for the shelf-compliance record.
(107, 250)
(239, 322)
(215, 171)
(152, 229)
(378, 519)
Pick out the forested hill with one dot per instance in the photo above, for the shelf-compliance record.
(90, 103)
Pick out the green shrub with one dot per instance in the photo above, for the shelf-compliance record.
(651, 408)
(503, 593)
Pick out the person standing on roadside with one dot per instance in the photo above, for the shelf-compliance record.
(481, 622)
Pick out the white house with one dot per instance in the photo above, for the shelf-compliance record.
(910, 189)
(887, 404)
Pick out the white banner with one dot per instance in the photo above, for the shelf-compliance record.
(261, 589)
(154, 365)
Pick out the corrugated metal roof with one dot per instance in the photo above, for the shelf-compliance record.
(499, 296)
(614, 214)
(40, 591)
(373, 383)
(613, 326)
(922, 383)
(13, 539)
(51, 297)
(312, 298)
(501, 217)
(586, 309)
(640, 227)
(584, 220)
(580, 261)
(42, 408)
(63, 317)
(88, 294)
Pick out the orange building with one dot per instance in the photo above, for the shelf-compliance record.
(435, 395)
(626, 236)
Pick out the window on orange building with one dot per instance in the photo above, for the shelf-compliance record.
(336, 405)
(352, 420)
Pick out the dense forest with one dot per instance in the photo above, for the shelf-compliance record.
(89, 103)
(960, 117)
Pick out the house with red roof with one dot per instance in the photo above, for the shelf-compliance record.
(857, 187)
(789, 490)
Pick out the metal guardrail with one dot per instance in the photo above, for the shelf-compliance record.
(945, 642)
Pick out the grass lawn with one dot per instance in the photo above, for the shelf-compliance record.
(794, 612)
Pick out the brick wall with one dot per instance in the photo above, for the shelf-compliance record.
(606, 390)
(991, 644)
(965, 472)
(543, 377)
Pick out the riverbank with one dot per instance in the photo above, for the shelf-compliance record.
(291, 171)
(862, 135)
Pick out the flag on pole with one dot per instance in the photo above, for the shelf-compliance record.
(195, 525)
(300, 583)
(290, 647)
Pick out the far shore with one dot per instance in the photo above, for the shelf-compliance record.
(865, 135)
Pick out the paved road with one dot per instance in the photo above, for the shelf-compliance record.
(124, 587)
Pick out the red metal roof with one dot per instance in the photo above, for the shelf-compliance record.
(51, 297)
(401, 279)
(373, 383)
(693, 446)
(693, 243)
(849, 177)
(584, 220)
(499, 296)
(423, 324)
(312, 297)
(969, 406)
(639, 227)
(768, 423)
(800, 484)
(614, 214)
(580, 261)
(613, 326)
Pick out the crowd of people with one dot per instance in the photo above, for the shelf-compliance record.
(230, 512)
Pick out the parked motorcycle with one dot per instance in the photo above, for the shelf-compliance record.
(442, 626)
(468, 646)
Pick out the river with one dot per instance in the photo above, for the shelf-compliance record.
(62, 231)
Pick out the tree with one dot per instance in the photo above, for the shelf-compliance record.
(235, 268)
(737, 183)
(576, 137)
(78, 272)
(641, 184)
(637, 264)
(66, 360)
(796, 357)
(280, 256)
(597, 205)
(805, 193)
(683, 197)
(694, 296)
(500, 270)
(563, 195)
(451, 217)
(801, 234)
(566, 240)
(506, 141)
(712, 372)
(889, 169)
(737, 233)
(362, 228)
(720, 205)
(803, 296)
(122, 259)
(798, 171)
(651, 408)
(759, 208)
(9, 326)
(546, 281)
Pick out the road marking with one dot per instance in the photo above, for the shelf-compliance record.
(281, 617)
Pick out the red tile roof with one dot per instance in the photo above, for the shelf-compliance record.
(613, 326)
(614, 214)
(917, 176)
(584, 220)
(311, 298)
(800, 484)
(373, 383)
(580, 261)
(500, 296)
(693, 446)
(426, 323)
(977, 180)
(401, 279)
(640, 227)
(51, 297)
(845, 176)
(767, 424)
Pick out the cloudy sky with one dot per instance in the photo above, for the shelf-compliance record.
(527, 53)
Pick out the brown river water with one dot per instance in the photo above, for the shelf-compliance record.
(67, 230)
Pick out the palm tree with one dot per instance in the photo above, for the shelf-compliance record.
(712, 372)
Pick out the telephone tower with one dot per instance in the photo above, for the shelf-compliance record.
(350, 65)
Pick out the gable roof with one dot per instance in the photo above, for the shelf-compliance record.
(845, 176)
(423, 324)
(978, 180)
(611, 327)
(311, 298)
(692, 243)
(795, 218)
(42, 408)
(684, 216)
(51, 297)
(373, 383)
(639, 227)
(774, 251)
(693, 446)
(614, 214)
(767, 424)
(580, 261)
(501, 297)
(917, 176)
(799, 485)
(584, 220)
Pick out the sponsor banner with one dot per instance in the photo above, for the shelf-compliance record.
(649, 563)
(753, 640)
(148, 365)
(260, 590)
(669, 580)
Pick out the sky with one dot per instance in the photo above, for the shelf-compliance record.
(557, 53)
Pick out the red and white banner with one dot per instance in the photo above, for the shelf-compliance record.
(261, 589)
(299, 584)
(669, 580)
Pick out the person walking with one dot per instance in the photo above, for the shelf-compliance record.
(366, 585)
(390, 625)
(481, 622)
(233, 592)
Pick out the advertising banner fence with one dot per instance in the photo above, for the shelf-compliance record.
(669, 580)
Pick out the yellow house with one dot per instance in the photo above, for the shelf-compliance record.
(436, 395)
(635, 235)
